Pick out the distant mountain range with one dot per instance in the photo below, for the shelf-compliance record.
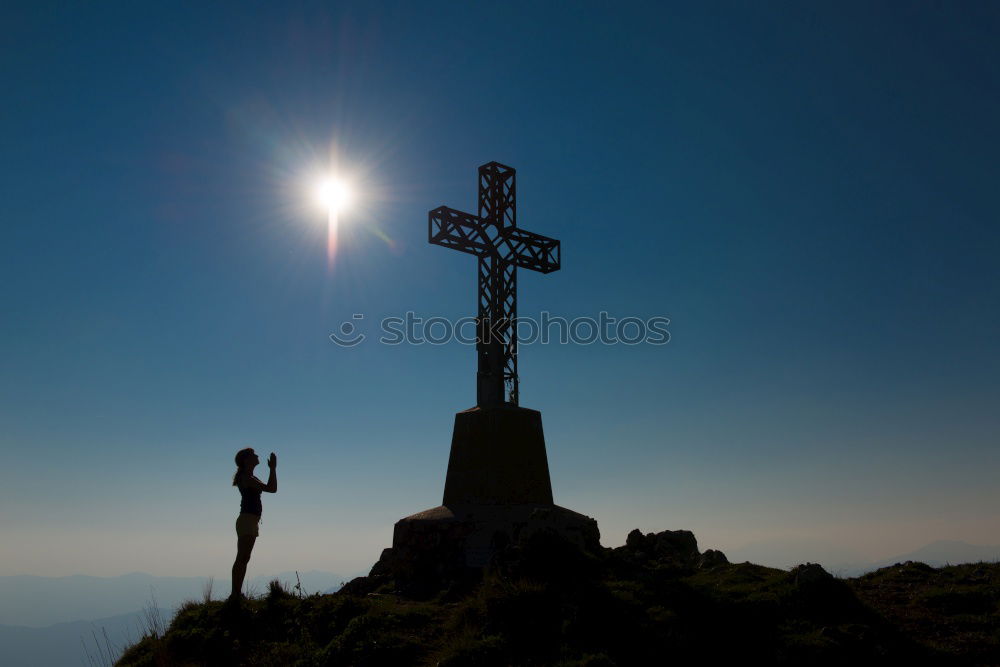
(62, 620)
(945, 552)
(101, 639)
(42, 601)
(843, 563)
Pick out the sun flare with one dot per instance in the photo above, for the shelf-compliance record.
(333, 195)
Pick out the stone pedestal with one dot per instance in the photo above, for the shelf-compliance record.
(498, 458)
(497, 493)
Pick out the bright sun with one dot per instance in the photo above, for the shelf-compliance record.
(333, 195)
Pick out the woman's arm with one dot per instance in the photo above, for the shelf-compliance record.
(257, 485)
(272, 477)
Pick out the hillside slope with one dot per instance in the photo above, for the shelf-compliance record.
(546, 603)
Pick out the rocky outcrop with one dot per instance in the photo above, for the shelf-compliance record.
(810, 575)
(712, 558)
(670, 548)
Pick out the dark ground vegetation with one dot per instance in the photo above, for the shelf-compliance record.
(548, 604)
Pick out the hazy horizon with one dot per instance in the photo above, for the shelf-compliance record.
(807, 192)
(778, 551)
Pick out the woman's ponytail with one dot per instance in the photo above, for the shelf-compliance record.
(240, 458)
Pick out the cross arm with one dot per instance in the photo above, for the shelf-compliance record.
(458, 230)
(529, 250)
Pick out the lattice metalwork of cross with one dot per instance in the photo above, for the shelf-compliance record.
(501, 247)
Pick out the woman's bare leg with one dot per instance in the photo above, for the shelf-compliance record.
(244, 545)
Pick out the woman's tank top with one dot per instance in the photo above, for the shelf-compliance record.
(249, 500)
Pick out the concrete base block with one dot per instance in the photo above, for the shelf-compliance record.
(498, 458)
(445, 541)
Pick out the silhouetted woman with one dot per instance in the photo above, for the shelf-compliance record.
(250, 509)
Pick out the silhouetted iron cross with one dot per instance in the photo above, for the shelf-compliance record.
(493, 237)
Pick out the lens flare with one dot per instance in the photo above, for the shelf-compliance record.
(333, 195)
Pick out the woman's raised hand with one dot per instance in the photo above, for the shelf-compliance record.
(272, 461)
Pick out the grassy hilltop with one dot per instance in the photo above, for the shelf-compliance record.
(546, 603)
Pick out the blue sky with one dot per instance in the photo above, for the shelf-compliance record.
(807, 192)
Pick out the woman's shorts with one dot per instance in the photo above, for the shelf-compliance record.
(247, 524)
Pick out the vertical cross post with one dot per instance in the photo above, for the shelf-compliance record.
(493, 236)
(497, 341)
